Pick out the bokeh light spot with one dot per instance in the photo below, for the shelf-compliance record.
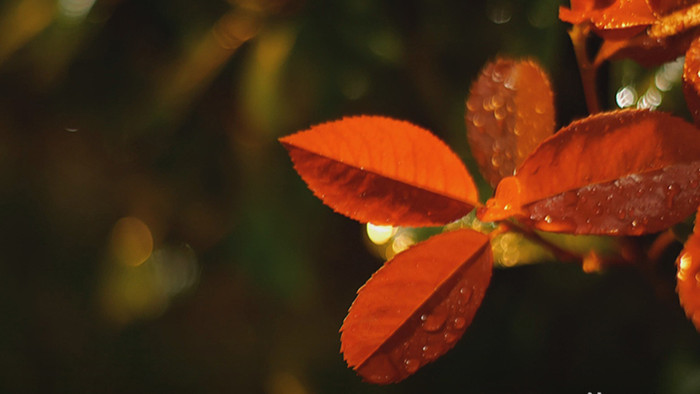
(380, 234)
(131, 242)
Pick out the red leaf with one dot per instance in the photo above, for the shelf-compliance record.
(416, 307)
(509, 111)
(384, 171)
(624, 172)
(688, 277)
(691, 79)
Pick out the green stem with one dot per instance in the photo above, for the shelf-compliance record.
(561, 254)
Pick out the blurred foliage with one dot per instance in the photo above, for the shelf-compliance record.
(156, 239)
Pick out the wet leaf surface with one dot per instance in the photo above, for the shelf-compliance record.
(619, 173)
(416, 307)
(510, 110)
(621, 19)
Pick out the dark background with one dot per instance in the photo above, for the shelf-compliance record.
(166, 112)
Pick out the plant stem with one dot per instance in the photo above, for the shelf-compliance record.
(561, 254)
(579, 34)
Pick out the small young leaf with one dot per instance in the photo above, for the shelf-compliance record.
(645, 50)
(416, 307)
(665, 7)
(510, 110)
(691, 79)
(384, 171)
(620, 19)
(619, 173)
(676, 22)
(688, 277)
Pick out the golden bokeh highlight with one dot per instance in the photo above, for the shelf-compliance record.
(380, 235)
(131, 242)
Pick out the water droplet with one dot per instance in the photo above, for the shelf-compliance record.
(478, 119)
(497, 76)
(466, 295)
(472, 103)
(434, 321)
(379, 379)
(411, 365)
(431, 352)
(510, 82)
(500, 113)
(497, 101)
(671, 193)
(539, 109)
(548, 219)
(459, 322)
(495, 161)
(517, 130)
(635, 223)
(450, 337)
(598, 208)
(487, 104)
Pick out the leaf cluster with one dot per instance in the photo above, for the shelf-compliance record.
(616, 173)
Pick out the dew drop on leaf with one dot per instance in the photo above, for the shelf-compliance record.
(515, 109)
(431, 352)
(411, 365)
(434, 321)
(458, 323)
(450, 337)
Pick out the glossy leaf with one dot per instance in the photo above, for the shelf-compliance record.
(384, 171)
(664, 7)
(646, 50)
(620, 173)
(691, 79)
(416, 307)
(688, 276)
(676, 22)
(509, 111)
(620, 19)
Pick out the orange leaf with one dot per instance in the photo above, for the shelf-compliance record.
(510, 110)
(645, 50)
(688, 277)
(691, 79)
(620, 19)
(626, 172)
(676, 22)
(416, 307)
(664, 7)
(384, 171)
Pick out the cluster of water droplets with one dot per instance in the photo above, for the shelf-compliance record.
(500, 124)
(634, 204)
(430, 332)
